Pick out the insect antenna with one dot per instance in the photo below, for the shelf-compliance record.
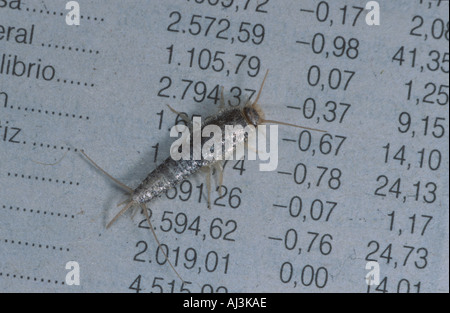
(264, 121)
(261, 113)
(260, 89)
(157, 241)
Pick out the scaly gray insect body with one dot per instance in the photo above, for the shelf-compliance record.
(170, 173)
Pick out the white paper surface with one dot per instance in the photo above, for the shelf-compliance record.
(373, 188)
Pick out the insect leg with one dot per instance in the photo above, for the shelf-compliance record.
(254, 148)
(208, 185)
(157, 241)
(208, 171)
(134, 213)
(219, 171)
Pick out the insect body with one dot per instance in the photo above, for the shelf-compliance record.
(171, 172)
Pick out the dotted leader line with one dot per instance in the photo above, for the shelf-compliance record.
(30, 278)
(30, 177)
(49, 146)
(47, 213)
(54, 13)
(71, 48)
(47, 112)
(73, 82)
(35, 245)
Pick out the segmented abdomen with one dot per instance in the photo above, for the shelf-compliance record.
(166, 176)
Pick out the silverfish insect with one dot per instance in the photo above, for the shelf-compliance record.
(170, 173)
